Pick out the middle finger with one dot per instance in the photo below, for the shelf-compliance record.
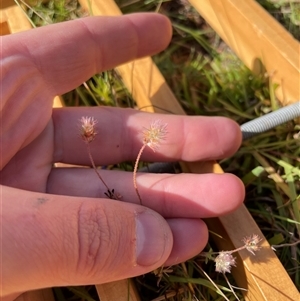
(119, 136)
(180, 195)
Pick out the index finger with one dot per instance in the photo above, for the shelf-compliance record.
(69, 53)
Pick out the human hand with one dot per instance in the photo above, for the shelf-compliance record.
(57, 228)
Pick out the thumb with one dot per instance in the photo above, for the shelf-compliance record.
(51, 240)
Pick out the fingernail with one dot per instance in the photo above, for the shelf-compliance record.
(152, 238)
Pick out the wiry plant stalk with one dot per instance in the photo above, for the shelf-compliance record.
(152, 138)
(135, 171)
(230, 287)
(94, 166)
(88, 133)
(212, 282)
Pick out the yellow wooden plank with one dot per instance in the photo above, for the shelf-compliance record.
(38, 295)
(104, 8)
(6, 3)
(256, 36)
(148, 87)
(4, 27)
(146, 83)
(17, 19)
(123, 290)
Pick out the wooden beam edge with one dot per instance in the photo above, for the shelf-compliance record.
(122, 290)
(262, 275)
(37, 295)
(258, 39)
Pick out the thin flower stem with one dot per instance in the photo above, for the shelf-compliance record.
(135, 171)
(205, 254)
(212, 282)
(94, 166)
(186, 274)
(231, 288)
(237, 249)
(286, 245)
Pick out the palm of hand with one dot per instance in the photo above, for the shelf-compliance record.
(28, 135)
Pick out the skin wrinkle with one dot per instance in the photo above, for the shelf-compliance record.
(165, 189)
(12, 134)
(94, 39)
(98, 58)
(122, 254)
(57, 136)
(90, 224)
(167, 192)
(8, 83)
(183, 139)
(11, 86)
(34, 50)
(217, 135)
(18, 171)
(44, 165)
(13, 140)
(27, 52)
(39, 63)
(135, 36)
(163, 200)
(79, 239)
(95, 242)
(118, 254)
(109, 237)
(15, 120)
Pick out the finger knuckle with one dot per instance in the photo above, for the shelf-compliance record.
(94, 240)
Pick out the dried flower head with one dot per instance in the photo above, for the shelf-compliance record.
(87, 128)
(153, 135)
(224, 261)
(251, 243)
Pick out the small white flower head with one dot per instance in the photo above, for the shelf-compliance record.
(251, 243)
(224, 261)
(153, 135)
(87, 128)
